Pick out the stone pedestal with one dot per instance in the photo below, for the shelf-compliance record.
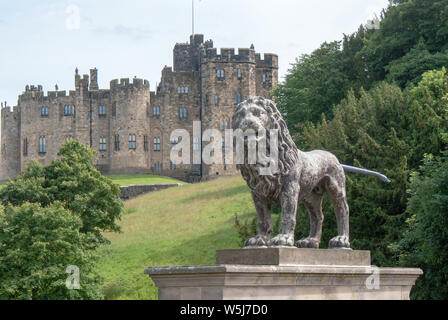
(285, 273)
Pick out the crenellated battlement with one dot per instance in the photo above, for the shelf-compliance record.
(8, 112)
(32, 88)
(270, 60)
(39, 95)
(245, 55)
(125, 84)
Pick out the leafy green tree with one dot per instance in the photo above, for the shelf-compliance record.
(412, 39)
(388, 130)
(74, 181)
(312, 86)
(368, 132)
(36, 247)
(425, 240)
(404, 25)
(427, 116)
(408, 69)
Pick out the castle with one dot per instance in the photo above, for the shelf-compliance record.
(130, 125)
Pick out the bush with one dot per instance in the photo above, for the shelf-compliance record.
(76, 183)
(425, 242)
(36, 247)
(54, 217)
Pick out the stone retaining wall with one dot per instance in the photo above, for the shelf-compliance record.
(135, 190)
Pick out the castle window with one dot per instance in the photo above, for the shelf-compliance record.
(263, 77)
(156, 110)
(132, 142)
(117, 142)
(207, 99)
(220, 74)
(114, 110)
(157, 144)
(182, 112)
(225, 165)
(44, 111)
(145, 143)
(182, 90)
(158, 167)
(236, 98)
(25, 147)
(239, 74)
(69, 110)
(102, 110)
(225, 125)
(223, 142)
(175, 144)
(196, 144)
(42, 145)
(102, 144)
(216, 100)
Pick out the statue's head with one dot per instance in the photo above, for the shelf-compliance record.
(256, 113)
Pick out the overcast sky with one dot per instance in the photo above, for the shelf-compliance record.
(41, 41)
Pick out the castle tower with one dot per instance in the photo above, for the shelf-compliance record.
(10, 142)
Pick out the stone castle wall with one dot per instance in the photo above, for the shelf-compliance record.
(129, 112)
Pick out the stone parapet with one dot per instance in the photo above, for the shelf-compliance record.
(135, 190)
(278, 281)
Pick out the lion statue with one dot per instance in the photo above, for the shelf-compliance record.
(302, 176)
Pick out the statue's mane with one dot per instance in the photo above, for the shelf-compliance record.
(270, 185)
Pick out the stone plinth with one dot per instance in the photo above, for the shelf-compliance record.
(286, 273)
(293, 256)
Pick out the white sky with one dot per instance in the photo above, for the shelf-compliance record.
(136, 37)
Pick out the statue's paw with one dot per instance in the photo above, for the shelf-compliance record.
(308, 243)
(257, 241)
(282, 240)
(339, 242)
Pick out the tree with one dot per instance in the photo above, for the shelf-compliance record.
(368, 132)
(425, 241)
(404, 25)
(76, 183)
(36, 247)
(427, 116)
(312, 86)
(388, 130)
(408, 69)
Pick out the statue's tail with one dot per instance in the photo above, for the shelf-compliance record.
(364, 171)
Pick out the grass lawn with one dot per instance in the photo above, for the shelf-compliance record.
(126, 180)
(175, 227)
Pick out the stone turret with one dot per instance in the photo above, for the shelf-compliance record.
(94, 79)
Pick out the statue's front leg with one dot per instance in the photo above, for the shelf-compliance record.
(289, 199)
(264, 224)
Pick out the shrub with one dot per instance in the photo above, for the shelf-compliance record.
(36, 247)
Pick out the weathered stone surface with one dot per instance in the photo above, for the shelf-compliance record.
(135, 190)
(244, 282)
(293, 256)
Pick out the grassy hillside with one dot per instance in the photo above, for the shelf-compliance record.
(126, 180)
(181, 226)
